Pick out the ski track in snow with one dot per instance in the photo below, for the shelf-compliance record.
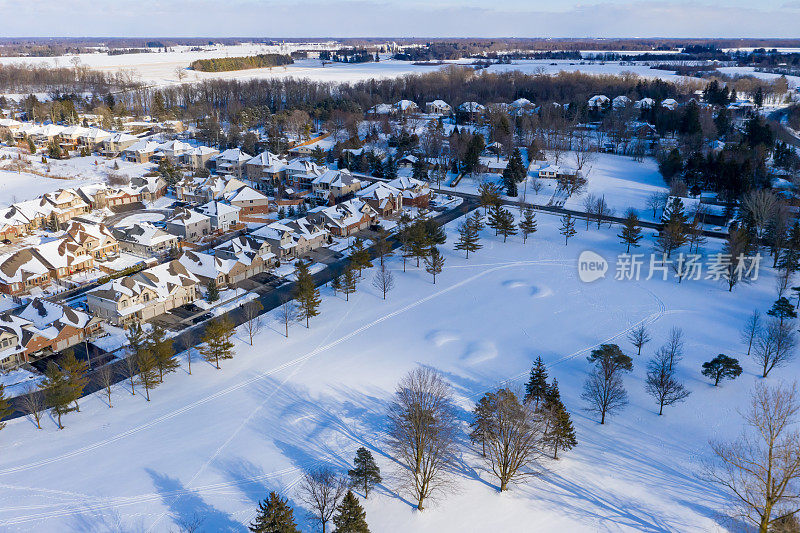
(79, 501)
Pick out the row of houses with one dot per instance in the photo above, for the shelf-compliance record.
(82, 244)
(32, 329)
(23, 218)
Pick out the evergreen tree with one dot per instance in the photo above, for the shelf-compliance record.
(721, 367)
(536, 387)
(434, 263)
(567, 228)
(306, 293)
(495, 218)
(528, 225)
(349, 282)
(365, 473)
(505, 224)
(477, 221)
(76, 373)
(510, 181)
(783, 310)
(468, 238)
(217, 343)
(350, 517)
(561, 433)
(389, 169)
(359, 256)
(148, 371)
(212, 291)
(336, 284)
(5, 406)
(58, 392)
(419, 241)
(631, 231)
(488, 195)
(274, 515)
(163, 351)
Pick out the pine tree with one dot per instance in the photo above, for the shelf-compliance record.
(505, 225)
(561, 433)
(721, 367)
(419, 241)
(58, 392)
(468, 238)
(5, 406)
(783, 310)
(567, 228)
(350, 517)
(274, 515)
(536, 387)
(148, 371)
(163, 351)
(434, 263)
(495, 217)
(336, 284)
(217, 343)
(477, 221)
(510, 181)
(349, 282)
(631, 232)
(528, 225)
(306, 293)
(359, 256)
(212, 291)
(365, 473)
(76, 373)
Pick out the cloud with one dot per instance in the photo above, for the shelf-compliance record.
(361, 18)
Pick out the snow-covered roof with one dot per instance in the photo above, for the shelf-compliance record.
(217, 209)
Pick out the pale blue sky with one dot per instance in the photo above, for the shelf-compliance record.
(413, 18)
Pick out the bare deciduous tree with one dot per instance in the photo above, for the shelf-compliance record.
(105, 378)
(287, 313)
(129, 370)
(639, 336)
(512, 437)
(774, 345)
(422, 431)
(673, 349)
(655, 202)
(761, 204)
(383, 280)
(750, 330)
(761, 469)
(253, 324)
(603, 390)
(34, 404)
(661, 382)
(321, 490)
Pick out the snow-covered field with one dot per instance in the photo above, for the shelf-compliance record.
(212, 444)
(161, 68)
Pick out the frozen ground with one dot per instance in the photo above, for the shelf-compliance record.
(162, 68)
(212, 444)
(624, 182)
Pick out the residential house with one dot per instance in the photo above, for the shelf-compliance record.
(188, 224)
(415, 193)
(301, 173)
(406, 107)
(144, 295)
(333, 186)
(223, 216)
(63, 257)
(140, 152)
(383, 198)
(345, 218)
(22, 271)
(199, 157)
(266, 169)
(93, 138)
(114, 145)
(145, 240)
(149, 188)
(248, 200)
(599, 101)
(233, 162)
(292, 238)
(95, 238)
(68, 204)
(438, 107)
(174, 151)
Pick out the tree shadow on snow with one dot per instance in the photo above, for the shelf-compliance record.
(186, 507)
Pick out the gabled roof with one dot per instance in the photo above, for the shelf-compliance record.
(216, 209)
